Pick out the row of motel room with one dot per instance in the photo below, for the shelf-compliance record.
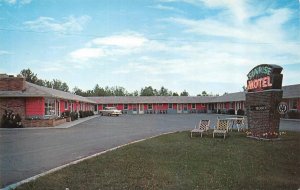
(33, 101)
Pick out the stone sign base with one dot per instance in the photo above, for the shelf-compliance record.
(263, 117)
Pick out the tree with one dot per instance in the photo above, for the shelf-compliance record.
(204, 93)
(118, 91)
(29, 76)
(163, 92)
(175, 94)
(78, 91)
(89, 93)
(65, 87)
(135, 93)
(40, 82)
(184, 93)
(244, 88)
(148, 91)
(99, 91)
(108, 91)
(57, 84)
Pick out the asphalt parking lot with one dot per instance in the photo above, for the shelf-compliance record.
(28, 152)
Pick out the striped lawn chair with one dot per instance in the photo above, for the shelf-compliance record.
(203, 126)
(221, 128)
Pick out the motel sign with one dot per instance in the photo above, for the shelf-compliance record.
(263, 97)
(264, 77)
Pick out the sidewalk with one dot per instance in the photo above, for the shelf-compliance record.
(72, 123)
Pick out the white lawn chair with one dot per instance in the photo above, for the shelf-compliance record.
(203, 126)
(240, 123)
(221, 128)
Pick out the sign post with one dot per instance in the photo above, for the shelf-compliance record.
(263, 97)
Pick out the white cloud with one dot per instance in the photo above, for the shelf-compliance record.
(25, 2)
(14, 2)
(165, 8)
(110, 46)
(84, 54)
(122, 41)
(266, 29)
(69, 24)
(3, 52)
(237, 8)
(9, 1)
(234, 47)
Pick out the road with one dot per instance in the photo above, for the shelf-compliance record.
(28, 152)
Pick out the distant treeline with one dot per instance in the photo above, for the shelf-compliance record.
(100, 91)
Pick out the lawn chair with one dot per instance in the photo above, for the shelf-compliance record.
(203, 126)
(221, 128)
(240, 123)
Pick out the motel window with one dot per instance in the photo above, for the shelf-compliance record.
(293, 104)
(238, 105)
(193, 106)
(66, 105)
(160, 105)
(134, 107)
(57, 107)
(185, 107)
(49, 107)
(170, 106)
(149, 106)
(104, 106)
(125, 106)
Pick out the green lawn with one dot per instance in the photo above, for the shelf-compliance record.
(176, 161)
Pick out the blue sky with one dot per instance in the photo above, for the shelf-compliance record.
(191, 45)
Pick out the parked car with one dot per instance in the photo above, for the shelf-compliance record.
(110, 111)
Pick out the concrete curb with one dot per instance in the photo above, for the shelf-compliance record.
(296, 120)
(285, 119)
(61, 126)
(15, 185)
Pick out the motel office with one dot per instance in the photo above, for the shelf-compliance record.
(33, 101)
(38, 102)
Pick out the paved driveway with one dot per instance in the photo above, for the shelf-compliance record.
(27, 152)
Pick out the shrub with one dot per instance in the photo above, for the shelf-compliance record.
(83, 114)
(231, 112)
(11, 120)
(73, 115)
(240, 112)
(293, 114)
(223, 111)
(65, 114)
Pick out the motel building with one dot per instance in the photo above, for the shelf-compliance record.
(189, 104)
(39, 105)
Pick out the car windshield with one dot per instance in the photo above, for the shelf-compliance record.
(110, 108)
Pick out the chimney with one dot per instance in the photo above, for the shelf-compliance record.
(11, 83)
